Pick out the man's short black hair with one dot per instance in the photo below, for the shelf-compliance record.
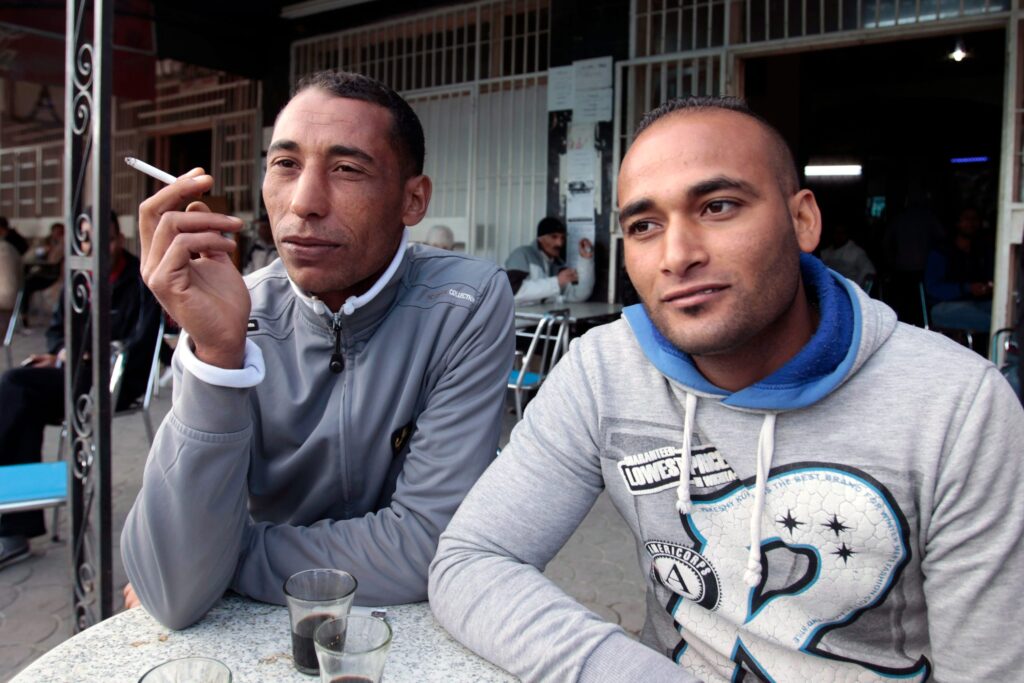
(785, 166)
(405, 125)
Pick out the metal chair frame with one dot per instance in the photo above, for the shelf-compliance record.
(12, 324)
(548, 341)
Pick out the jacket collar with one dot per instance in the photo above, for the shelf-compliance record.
(363, 312)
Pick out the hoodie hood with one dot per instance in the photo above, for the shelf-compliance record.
(828, 358)
(838, 347)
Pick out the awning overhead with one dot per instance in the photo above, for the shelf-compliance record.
(32, 45)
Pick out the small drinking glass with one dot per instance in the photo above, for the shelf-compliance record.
(188, 670)
(314, 596)
(352, 649)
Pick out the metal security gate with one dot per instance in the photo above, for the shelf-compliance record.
(477, 77)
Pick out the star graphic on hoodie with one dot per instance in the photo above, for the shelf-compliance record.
(844, 553)
(789, 522)
(835, 525)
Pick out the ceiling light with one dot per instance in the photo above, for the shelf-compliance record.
(831, 170)
(968, 160)
(959, 53)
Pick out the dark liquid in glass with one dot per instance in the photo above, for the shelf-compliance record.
(351, 678)
(303, 651)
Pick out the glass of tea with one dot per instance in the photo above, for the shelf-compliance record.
(352, 649)
(314, 596)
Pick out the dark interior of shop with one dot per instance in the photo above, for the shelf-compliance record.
(925, 128)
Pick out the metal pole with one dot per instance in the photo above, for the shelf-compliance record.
(87, 306)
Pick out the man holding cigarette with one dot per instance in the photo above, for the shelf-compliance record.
(332, 409)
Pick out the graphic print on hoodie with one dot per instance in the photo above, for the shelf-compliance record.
(821, 545)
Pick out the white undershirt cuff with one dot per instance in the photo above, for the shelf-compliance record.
(251, 373)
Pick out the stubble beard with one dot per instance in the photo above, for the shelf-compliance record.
(730, 330)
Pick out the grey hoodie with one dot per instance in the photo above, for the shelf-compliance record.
(888, 515)
(359, 470)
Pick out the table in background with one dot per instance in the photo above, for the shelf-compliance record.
(253, 639)
(589, 312)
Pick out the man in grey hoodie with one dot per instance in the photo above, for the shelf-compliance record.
(817, 492)
(333, 408)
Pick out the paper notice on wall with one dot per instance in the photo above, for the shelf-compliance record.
(580, 165)
(576, 230)
(592, 105)
(579, 212)
(560, 88)
(592, 74)
(580, 202)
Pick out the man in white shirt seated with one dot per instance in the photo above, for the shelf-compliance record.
(847, 258)
(539, 274)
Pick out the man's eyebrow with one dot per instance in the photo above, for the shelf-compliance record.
(283, 145)
(633, 208)
(719, 183)
(346, 151)
(333, 150)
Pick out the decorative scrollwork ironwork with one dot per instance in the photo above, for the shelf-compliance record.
(83, 80)
(81, 286)
(87, 405)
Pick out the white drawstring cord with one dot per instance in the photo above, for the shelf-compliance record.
(765, 451)
(683, 503)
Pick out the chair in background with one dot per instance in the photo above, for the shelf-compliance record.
(11, 324)
(960, 333)
(117, 367)
(549, 338)
(1005, 354)
(34, 486)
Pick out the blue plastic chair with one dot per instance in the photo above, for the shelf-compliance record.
(33, 486)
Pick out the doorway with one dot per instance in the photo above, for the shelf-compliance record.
(178, 153)
(924, 128)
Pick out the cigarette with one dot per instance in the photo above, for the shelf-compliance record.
(151, 171)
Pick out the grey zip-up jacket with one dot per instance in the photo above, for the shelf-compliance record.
(359, 470)
(885, 494)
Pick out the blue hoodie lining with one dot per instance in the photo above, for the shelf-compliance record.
(817, 369)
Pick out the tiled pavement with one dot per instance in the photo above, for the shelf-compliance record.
(597, 565)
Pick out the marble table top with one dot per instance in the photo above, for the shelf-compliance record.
(253, 639)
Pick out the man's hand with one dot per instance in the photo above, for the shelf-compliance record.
(567, 276)
(186, 263)
(131, 601)
(44, 360)
(586, 248)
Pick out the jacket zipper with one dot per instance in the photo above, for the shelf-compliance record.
(337, 365)
(337, 359)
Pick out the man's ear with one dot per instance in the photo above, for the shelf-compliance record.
(803, 209)
(416, 200)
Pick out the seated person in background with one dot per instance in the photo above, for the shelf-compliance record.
(262, 250)
(540, 272)
(817, 492)
(10, 278)
(51, 252)
(440, 236)
(847, 258)
(32, 396)
(12, 236)
(958, 278)
(332, 409)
